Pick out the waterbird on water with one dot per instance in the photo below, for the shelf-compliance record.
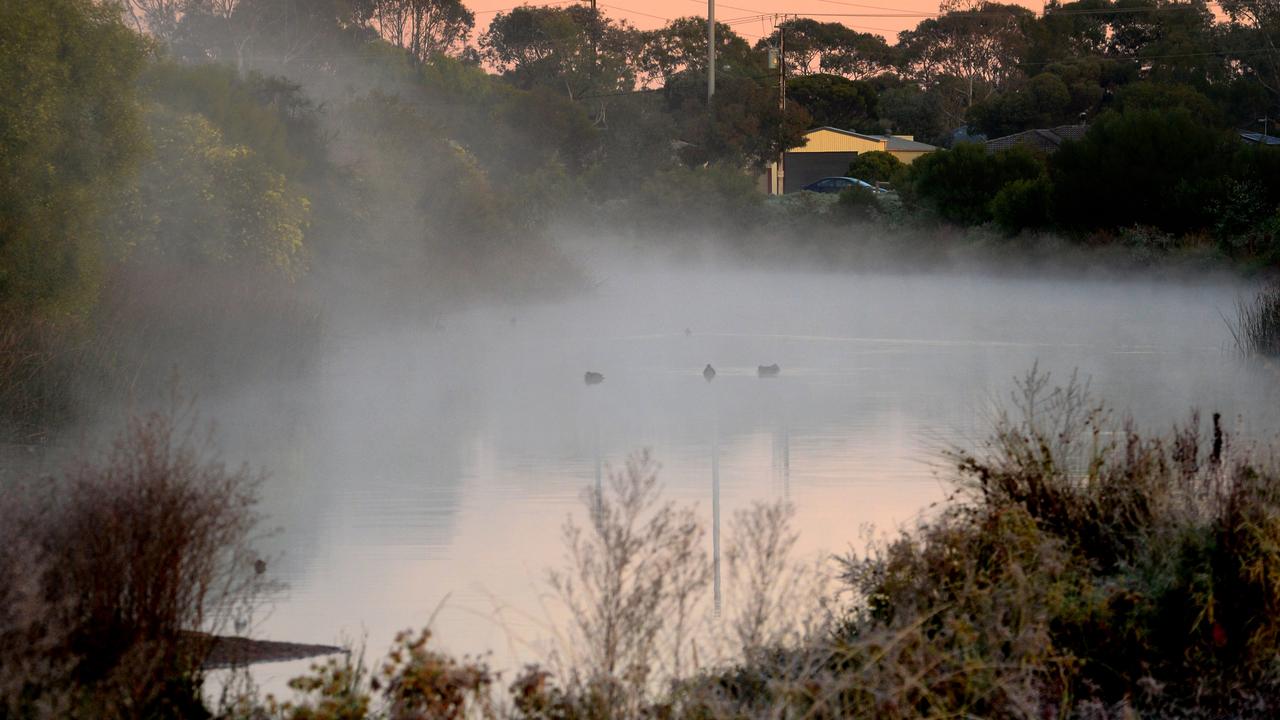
(593, 378)
(765, 371)
(709, 373)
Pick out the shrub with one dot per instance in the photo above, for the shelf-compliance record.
(1080, 570)
(127, 569)
(1022, 204)
(633, 582)
(1084, 563)
(413, 682)
(875, 166)
(1158, 168)
(959, 184)
(695, 199)
(859, 202)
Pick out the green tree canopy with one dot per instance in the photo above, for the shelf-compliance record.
(572, 50)
(203, 201)
(834, 100)
(425, 28)
(70, 131)
(1161, 168)
(682, 45)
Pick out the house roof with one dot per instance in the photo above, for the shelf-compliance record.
(1044, 139)
(897, 144)
(892, 143)
(850, 133)
(1258, 138)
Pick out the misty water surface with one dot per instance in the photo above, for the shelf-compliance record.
(440, 459)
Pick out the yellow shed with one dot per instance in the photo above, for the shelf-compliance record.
(827, 151)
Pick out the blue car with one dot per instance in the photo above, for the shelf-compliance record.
(837, 184)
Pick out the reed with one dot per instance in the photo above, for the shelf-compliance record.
(1256, 329)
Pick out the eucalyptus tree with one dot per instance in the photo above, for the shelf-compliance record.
(681, 45)
(574, 50)
(809, 46)
(425, 28)
(836, 101)
(856, 55)
(979, 43)
(1252, 44)
(1171, 41)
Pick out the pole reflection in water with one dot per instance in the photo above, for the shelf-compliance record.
(782, 459)
(715, 504)
(596, 414)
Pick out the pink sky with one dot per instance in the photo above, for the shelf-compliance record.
(885, 17)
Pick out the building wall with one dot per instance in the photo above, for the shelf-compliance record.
(908, 156)
(805, 167)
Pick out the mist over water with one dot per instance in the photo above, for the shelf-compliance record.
(427, 468)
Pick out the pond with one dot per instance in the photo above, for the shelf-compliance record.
(424, 472)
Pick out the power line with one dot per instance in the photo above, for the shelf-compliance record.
(517, 7)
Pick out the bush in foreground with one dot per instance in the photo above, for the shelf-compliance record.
(116, 577)
(1081, 570)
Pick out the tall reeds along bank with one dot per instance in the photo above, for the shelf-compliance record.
(1082, 569)
(116, 576)
(1256, 329)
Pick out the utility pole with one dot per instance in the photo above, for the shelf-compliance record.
(711, 50)
(595, 27)
(782, 99)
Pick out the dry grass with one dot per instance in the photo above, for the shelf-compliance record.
(1256, 329)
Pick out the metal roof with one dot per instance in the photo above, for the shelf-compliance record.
(1258, 138)
(891, 142)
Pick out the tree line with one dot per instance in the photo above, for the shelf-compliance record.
(386, 151)
(994, 67)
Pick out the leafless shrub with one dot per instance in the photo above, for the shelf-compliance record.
(632, 582)
(129, 566)
(773, 600)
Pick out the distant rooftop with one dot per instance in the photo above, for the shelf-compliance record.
(1258, 138)
(1043, 139)
(897, 143)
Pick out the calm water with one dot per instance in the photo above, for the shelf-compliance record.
(429, 469)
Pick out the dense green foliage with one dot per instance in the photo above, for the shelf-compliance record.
(876, 166)
(70, 130)
(961, 183)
